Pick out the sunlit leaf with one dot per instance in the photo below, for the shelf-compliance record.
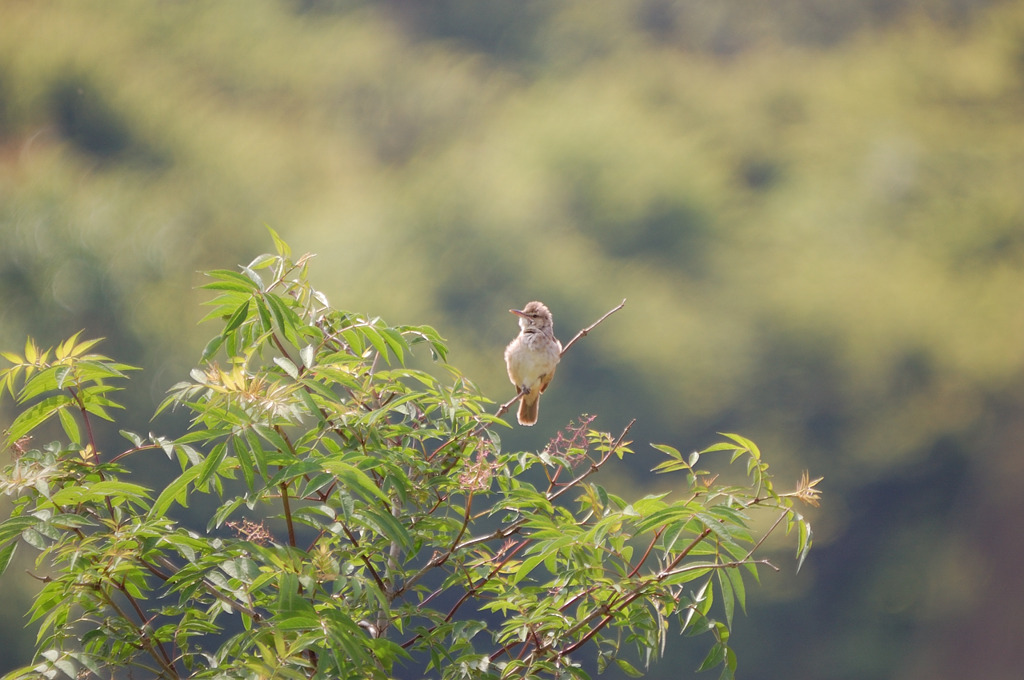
(288, 367)
(355, 479)
(237, 318)
(36, 415)
(230, 280)
(6, 553)
(67, 421)
(280, 246)
(175, 492)
(308, 355)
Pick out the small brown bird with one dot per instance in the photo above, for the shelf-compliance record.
(531, 358)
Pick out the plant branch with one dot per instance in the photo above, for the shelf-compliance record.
(767, 533)
(592, 326)
(133, 450)
(365, 560)
(288, 514)
(513, 527)
(95, 457)
(647, 553)
(280, 347)
(154, 648)
(501, 532)
(440, 558)
(85, 416)
(207, 585)
(594, 467)
(471, 591)
(717, 565)
(610, 613)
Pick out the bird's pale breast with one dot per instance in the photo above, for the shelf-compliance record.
(537, 358)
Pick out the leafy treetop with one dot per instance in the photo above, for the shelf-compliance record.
(367, 518)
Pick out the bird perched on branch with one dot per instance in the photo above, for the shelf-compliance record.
(531, 358)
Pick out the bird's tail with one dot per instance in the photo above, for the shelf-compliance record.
(529, 407)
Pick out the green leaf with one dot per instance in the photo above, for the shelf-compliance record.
(628, 669)
(371, 334)
(274, 437)
(245, 461)
(286, 318)
(805, 538)
(396, 342)
(282, 248)
(744, 444)
(703, 599)
(135, 439)
(308, 355)
(6, 553)
(229, 280)
(94, 407)
(668, 451)
(36, 415)
(262, 261)
(289, 603)
(355, 480)
(176, 491)
(225, 511)
(67, 421)
(729, 667)
(7, 380)
(728, 597)
(264, 313)
(681, 512)
(12, 357)
(47, 380)
(354, 340)
(254, 277)
(16, 525)
(254, 448)
(716, 655)
(211, 348)
(386, 525)
(276, 310)
(96, 368)
(237, 318)
(528, 565)
(64, 348)
(96, 492)
(300, 468)
(31, 351)
(739, 589)
(689, 573)
(288, 367)
(211, 465)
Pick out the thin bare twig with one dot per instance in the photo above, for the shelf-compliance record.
(592, 326)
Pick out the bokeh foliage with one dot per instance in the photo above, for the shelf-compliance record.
(814, 209)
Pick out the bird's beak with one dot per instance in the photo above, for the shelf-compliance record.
(517, 312)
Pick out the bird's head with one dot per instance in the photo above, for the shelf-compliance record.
(535, 315)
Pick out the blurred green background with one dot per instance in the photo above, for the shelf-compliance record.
(814, 208)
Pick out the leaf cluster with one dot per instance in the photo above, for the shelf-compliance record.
(366, 515)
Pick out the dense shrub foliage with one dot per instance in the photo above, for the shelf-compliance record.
(367, 519)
